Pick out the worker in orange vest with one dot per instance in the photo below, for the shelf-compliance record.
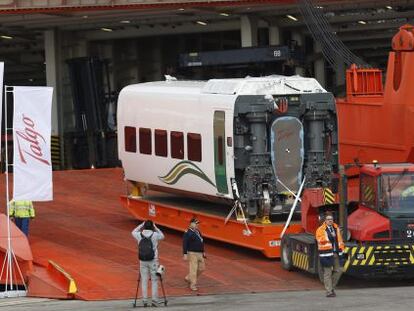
(331, 253)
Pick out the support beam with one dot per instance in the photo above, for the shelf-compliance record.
(319, 65)
(340, 74)
(53, 79)
(52, 74)
(298, 38)
(248, 30)
(274, 35)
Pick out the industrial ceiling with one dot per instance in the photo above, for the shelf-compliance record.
(365, 26)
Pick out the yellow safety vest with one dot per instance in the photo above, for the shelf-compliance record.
(21, 209)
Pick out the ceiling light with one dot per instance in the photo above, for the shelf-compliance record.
(224, 14)
(6, 37)
(181, 9)
(362, 22)
(201, 23)
(106, 29)
(389, 7)
(125, 22)
(292, 17)
(85, 16)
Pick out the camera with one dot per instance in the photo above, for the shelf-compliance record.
(160, 270)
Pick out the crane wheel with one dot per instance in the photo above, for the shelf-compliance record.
(286, 253)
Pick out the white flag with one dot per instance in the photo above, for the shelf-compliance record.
(32, 165)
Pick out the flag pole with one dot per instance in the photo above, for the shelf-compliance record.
(10, 256)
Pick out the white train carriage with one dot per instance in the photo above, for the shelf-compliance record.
(205, 138)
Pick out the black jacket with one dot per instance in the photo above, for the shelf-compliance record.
(193, 242)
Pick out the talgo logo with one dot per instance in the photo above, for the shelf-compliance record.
(30, 142)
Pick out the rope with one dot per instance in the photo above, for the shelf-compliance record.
(333, 49)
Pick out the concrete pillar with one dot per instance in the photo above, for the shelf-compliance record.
(340, 73)
(53, 62)
(108, 53)
(248, 30)
(298, 38)
(52, 74)
(319, 65)
(157, 60)
(82, 48)
(274, 35)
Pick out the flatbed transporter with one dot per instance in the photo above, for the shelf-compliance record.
(243, 143)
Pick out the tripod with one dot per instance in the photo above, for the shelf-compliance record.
(162, 288)
(136, 294)
(159, 275)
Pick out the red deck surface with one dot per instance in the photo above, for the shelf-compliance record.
(88, 233)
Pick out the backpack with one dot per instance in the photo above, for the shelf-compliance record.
(146, 248)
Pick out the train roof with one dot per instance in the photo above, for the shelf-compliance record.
(274, 85)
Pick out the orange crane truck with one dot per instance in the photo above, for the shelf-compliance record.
(377, 217)
(376, 122)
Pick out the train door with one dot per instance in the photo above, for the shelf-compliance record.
(220, 152)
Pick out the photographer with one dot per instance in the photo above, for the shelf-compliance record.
(148, 235)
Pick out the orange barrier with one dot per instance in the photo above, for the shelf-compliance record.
(20, 247)
(51, 282)
(264, 237)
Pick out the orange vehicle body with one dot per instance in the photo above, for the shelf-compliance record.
(262, 237)
(376, 122)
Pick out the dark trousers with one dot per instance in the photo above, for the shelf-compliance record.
(23, 224)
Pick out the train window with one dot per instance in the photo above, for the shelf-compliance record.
(220, 146)
(194, 147)
(161, 143)
(177, 145)
(145, 145)
(130, 139)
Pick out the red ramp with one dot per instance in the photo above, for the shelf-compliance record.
(87, 232)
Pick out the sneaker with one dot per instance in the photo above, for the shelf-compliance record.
(145, 303)
(194, 288)
(331, 294)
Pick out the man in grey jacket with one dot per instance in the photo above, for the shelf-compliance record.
(149, 231)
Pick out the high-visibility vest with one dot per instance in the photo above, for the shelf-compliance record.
(325, 246)
(408, 192)
(21, 209)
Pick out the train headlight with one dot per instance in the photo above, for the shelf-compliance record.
(360, 256)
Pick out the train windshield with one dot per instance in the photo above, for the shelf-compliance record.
(396, 196)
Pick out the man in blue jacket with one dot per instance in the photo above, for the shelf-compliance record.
(193, 250)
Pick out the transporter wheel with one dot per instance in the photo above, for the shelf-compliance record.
(286, 253)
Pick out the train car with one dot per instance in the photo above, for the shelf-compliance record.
(253, 140)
